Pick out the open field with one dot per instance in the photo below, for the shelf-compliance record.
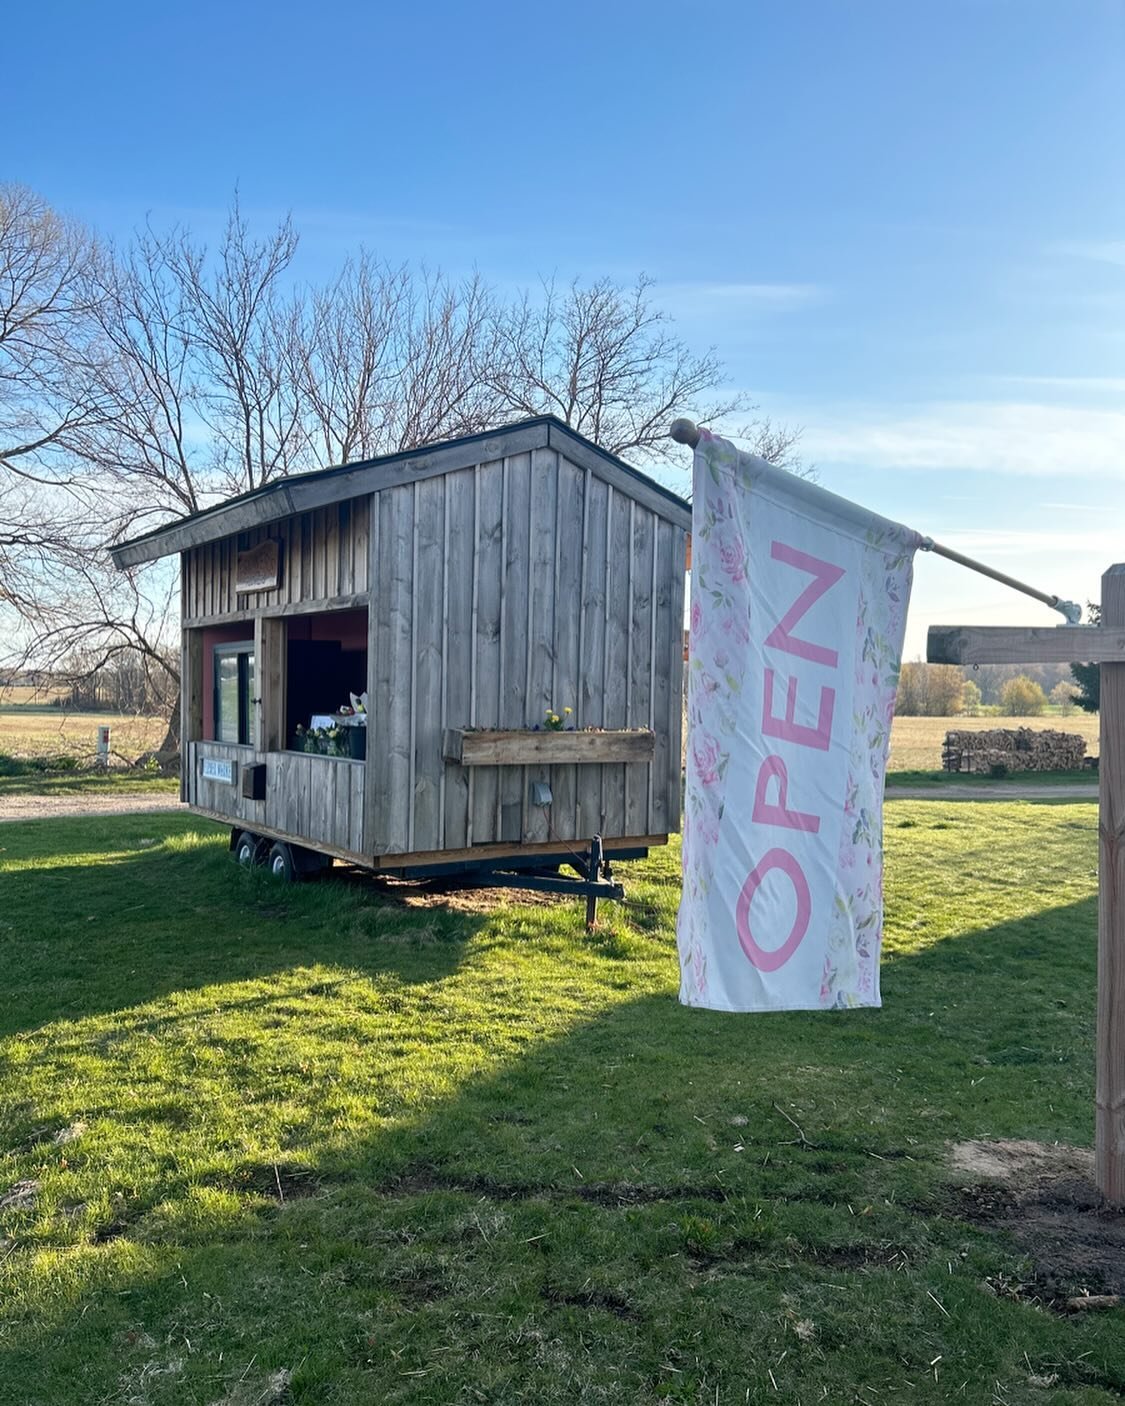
(32, 731)
(18, 694)
(916, 742)
(325, 1144)
(45, 731)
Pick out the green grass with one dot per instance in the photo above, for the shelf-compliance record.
(1015, 778)
(446, 1154)
(30, 781)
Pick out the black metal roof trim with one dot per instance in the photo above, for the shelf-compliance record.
(229, 516)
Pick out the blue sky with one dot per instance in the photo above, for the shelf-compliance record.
(901, 224)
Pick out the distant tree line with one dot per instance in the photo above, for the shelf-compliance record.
(1007, 690)
(130, 683)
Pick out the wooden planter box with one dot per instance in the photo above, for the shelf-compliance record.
(520, 747)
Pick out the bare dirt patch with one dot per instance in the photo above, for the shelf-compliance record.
(1044, 1196)
(1018, 1162)
(448, 894)
(476, 900)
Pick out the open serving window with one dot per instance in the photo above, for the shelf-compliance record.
(326, 683)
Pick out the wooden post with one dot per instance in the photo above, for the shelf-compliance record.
(1109, 1149)
(269, 683)
(1105, 645)
(191, 705)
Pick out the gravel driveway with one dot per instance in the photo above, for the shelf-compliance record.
(57, 807)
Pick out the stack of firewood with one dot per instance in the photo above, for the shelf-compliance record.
(1014, 749)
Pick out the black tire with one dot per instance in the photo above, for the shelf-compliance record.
(280, 863)
(249, 850)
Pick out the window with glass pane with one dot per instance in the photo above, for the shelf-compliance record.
(234, 687)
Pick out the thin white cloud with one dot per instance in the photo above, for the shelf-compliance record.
(977, 436)
(688, 298)
(1105, 251)
(1101, 543)
(1094, 385)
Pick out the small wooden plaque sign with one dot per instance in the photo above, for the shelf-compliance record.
(218, 769)
(258, 569)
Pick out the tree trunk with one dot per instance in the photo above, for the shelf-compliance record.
(169, 750)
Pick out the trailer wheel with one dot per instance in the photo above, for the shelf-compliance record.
(249, 850)
(281, 864)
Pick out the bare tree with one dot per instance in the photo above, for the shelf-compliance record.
(447, 345)
(389, 361)
(45, 387)
(346, 361)
(239, 323)
(142, 384)
(48, 389)
(603, 358)
(143, 449)
(197, 372)
(166, 377)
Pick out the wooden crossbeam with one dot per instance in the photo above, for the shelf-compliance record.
(1012, 644)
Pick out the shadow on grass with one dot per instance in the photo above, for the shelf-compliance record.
(626, 1163)
(654, 1151)
(163, 909)
(976, 1033)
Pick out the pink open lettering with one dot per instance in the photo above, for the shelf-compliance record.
(764, 959)
(787, 728)
(777, 812)
(825, 576)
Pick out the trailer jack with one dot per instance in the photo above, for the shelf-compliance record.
(593, 878)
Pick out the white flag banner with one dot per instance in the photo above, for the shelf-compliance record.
(798, 610)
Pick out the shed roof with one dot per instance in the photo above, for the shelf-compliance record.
(302, 492)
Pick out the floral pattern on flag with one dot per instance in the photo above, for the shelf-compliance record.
(724, 649)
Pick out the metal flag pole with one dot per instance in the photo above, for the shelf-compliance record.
(687, 432)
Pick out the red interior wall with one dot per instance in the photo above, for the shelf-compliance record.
(347, 626)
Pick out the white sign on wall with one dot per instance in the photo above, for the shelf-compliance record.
(216, 769)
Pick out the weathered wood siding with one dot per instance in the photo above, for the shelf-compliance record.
(316, 798)
(220, 797)
(501, 591)
(495, 592)
(309, 798)
(325, 556)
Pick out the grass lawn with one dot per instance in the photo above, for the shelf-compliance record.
(939, 779)
(87, 783)
(267, 1145)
